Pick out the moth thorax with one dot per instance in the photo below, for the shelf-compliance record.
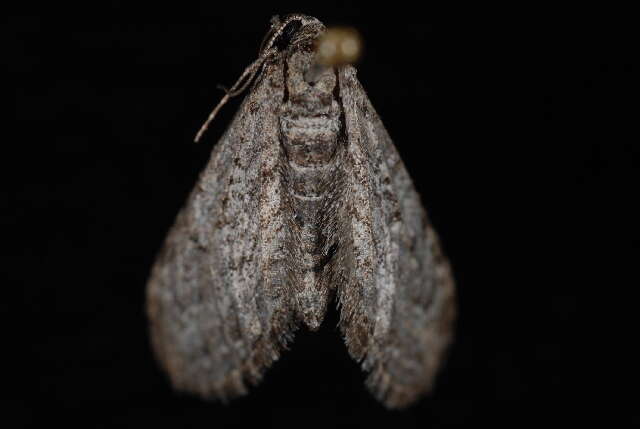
(310, 117)
(307, 94)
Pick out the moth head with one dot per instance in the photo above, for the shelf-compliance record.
(292, 30)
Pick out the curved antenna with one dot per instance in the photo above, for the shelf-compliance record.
(267, 50)
(241, 84)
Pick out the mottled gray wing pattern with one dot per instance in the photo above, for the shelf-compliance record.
(218, 301)
(397, 297)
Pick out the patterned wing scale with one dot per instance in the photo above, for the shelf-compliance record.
(398, 296)
(218, 301)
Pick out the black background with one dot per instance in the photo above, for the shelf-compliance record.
(514, 130)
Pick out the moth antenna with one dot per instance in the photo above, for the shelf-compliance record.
(266, 50)
(233, 92)
(275, 23)
(241, 84)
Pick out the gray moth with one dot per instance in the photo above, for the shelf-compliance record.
(305, 199)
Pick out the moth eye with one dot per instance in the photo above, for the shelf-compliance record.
(338, 46)
(283, 40)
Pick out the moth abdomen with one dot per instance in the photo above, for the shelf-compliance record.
(310, 131)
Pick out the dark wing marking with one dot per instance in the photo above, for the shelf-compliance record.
(218, 294)
(397, 296)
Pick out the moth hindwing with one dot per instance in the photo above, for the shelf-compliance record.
(304, 199)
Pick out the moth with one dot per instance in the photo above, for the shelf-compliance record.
(305, 199)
